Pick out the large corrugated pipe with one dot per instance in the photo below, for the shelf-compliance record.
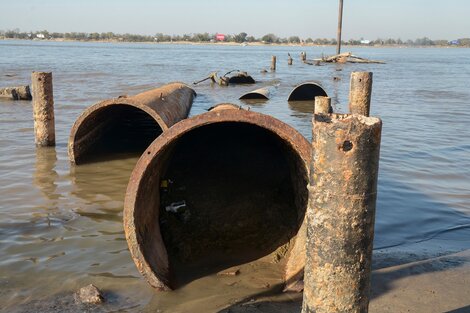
(214, 191)
(128, 124)
(306, 92)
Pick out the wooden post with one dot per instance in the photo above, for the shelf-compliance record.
(273, 63)
(340, 27)
(341, 213)
(43, 109)
(303, 56)
(360, 93)
(289, 59)
(323, 105)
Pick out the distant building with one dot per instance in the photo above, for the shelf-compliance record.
(454, 42)
(40, 36)
(219, 37)
(365, 42)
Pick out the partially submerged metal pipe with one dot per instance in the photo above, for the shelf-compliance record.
(261, 93)
(216, 190)
(43, 109)
(341, 213)
(323, 105)
(225, 106)
(128, 124)
(306, 91)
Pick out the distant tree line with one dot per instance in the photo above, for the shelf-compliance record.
(237, 38)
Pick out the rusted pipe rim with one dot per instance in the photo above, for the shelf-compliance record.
(225, 106)
(145, 168)
(306, 91)
(163, 106)
(106, 104)
(261, 93)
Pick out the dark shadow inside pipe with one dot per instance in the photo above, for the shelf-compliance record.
(114, 132)
(306, 91)
(253, 96)
(245, 194)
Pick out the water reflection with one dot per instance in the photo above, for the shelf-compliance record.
(45, 174)
(102, 185)
(304, 107)
(255, 102)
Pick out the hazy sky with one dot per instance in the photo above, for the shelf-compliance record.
(370, 19)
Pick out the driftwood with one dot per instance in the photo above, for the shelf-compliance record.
(212, 76)
(346, 57)
(239, 78)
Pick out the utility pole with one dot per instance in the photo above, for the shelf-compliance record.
(340, 26)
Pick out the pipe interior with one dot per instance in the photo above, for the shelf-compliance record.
(253, 95)
(245, 194)
(306, 92)
(115, 131)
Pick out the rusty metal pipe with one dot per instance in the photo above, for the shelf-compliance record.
(225, 106)
(306, 92)
(219, 189)
(360, 93)
(261, 93)
(43, 109)
(273, 63)
(340, 27)
(323, 105)
(341, 213)
(127, 124)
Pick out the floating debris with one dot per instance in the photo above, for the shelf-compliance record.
(347, 57)
(239, 78)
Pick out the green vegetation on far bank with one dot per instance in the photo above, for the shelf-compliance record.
(237, 38)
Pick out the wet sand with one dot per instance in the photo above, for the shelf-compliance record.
(402, 281)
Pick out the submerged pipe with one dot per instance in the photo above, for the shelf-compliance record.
(128, 124)
(225, 106)
(261, 93)
(306, 91)
(216, 190)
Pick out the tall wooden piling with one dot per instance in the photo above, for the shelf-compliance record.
(43, 109)
(323, 105)
(341, 213)
(303, 56)
(273, 63)
(360, 93)
(340, 27)
(289, 59)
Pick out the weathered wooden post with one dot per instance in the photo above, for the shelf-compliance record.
(303, 56)
(273, 63)
(341, 213)
(43, 109)
(289, 59)
(360, 93)
(340, 27)
(323, 105)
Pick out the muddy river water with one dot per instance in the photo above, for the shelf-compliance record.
(61, 226)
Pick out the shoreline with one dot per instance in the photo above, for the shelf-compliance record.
(256, 44)
(402, 281)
